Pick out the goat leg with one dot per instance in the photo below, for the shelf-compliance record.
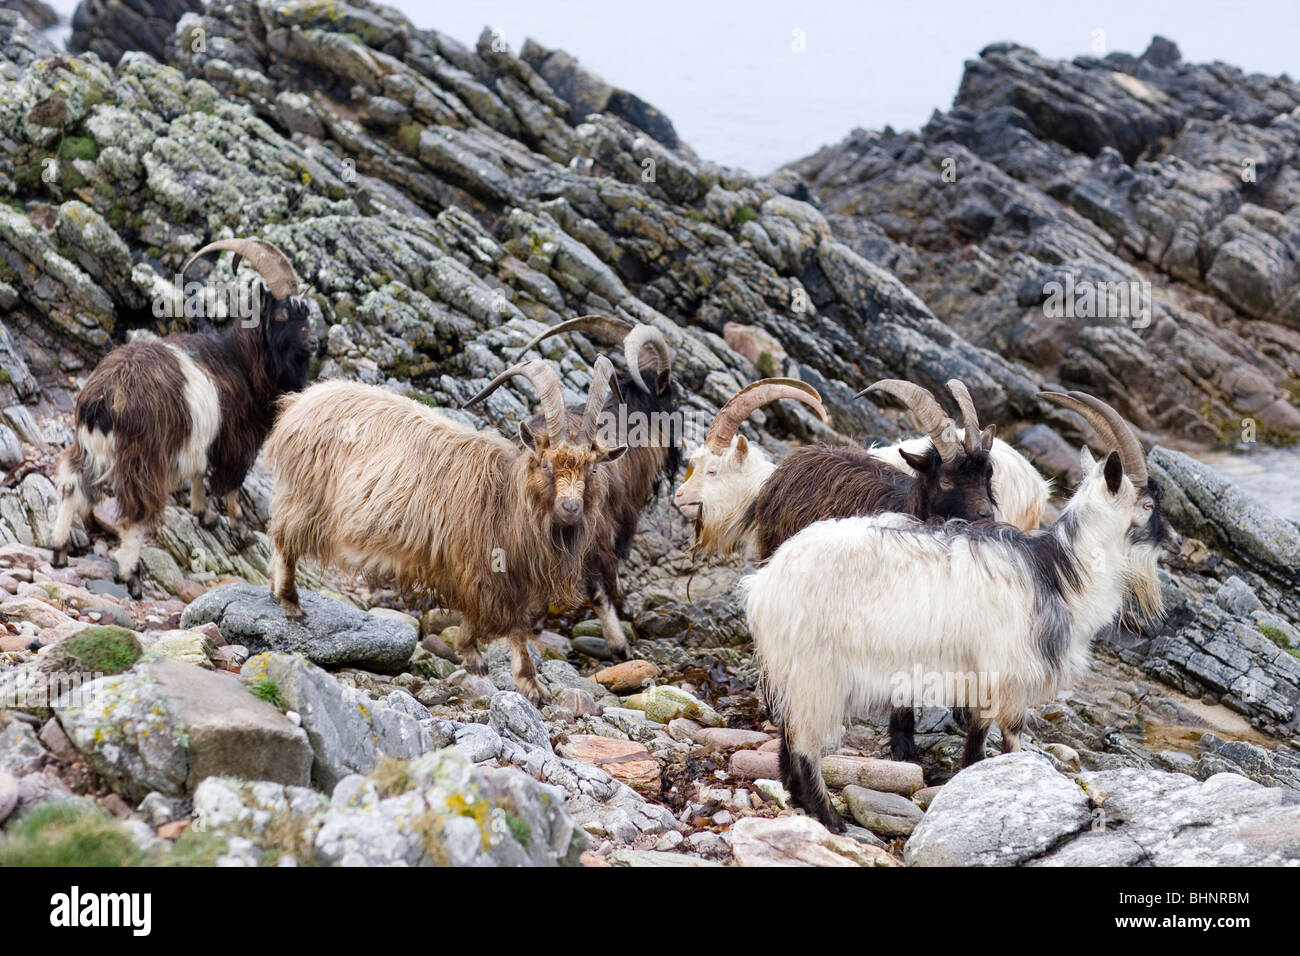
(610, 626)
(801, 774)
(525, 675)
(284, 584)
(976, 735)
(467, 647)
(237, 522)
(128, 558)
(902, 731)
(73, 503)
(1011, 731)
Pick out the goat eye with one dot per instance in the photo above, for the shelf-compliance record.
(710, 473)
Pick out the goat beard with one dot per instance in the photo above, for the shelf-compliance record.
(1146, 602)
(567, 538)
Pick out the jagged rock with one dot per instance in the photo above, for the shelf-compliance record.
(333, 634)
(166, 725)
(347, 730)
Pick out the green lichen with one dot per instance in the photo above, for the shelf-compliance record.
(743, 215)
(102, 650)
(68, 833)
(767, 365)
(78, 147)
(1274, 634)
(1229, 428)
(197, 848)
(519, 829)
(409, 136)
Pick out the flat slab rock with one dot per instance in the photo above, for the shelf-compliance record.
(623, 760)
(332, 635)
(1017, 810)
(799, 841)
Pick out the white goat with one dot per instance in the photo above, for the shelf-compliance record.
(859, 613)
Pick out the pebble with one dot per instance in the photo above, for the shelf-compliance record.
(925, 796)
(888, 814)
(593, 647)
(755, 764)
(841, 770)
(729, 738)
(628, 676)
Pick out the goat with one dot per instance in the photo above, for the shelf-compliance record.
(855, 613)
(647, 413)
(379, 483)
(724, 475)
(155, 413)
(951, 478)
(946, 478)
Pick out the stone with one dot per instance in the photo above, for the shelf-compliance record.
(1002, 811)
(730, 738)
(333, 634)
(799, 841)
(8, 795)
(657, 858)
(622, 759)
(347, 730)
(166, 726)
(891, 776)
(478, 742)
(755, 765)
(666, 702)
(21, 752)
(627, 677)
(887, 814)
(514, 718)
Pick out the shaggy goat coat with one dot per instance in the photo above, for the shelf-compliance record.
(861, 613)
(377, 483)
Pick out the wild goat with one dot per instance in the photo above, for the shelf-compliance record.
(647, 413)
(951, 479)
(856, 613)
(155, 413)
(381, 484)
(724, 475)
(946, 478)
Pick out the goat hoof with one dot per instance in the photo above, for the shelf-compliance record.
(60, 559)
(244, 534)
(135, 586)
(208, 519)
(475, 663)
(905, 753)
(537, 695)
(833, 821)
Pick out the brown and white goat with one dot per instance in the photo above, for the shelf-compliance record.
(645, 416)
(378, 483)
(155, 413)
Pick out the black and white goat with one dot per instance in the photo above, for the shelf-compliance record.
(644, 414)
(155, 413)
(859, 613)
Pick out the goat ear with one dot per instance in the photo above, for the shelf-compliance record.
(613, 454)
(742, 448)
(1086, 461)
(986, 436)
(1114, 472)
(527, 437)
(918, 461)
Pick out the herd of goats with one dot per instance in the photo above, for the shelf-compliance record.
(878, 567)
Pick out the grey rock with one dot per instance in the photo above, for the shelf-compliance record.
(512, 716)
(21, 752)
(478, 742)
(333, 635)
(888, 814)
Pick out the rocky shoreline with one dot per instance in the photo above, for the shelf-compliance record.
(443, 203)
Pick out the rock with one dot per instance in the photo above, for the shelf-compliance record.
(799, 841)
(730, 738)
(579, 703)
(1236, 597)
(347, 730)
(627, 677)
(1003, 811)
(925, 796)
(622, 759)
(773, 792)
(191, 647)
(656, 858)
(666, 702)
(8, 795)
(512, 716)
(755, 765)
(841, 770)
(166, 726)
(20, 751)
(888, 814)
(593, 647)
(333, 635)
(478, 742)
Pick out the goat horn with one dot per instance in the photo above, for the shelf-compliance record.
(272, 264)
(610, 330)
(640, 338)
(547, 382)
(925, 411)
(602, 384)
(970, 421)
(1110, 425)
(752, 397)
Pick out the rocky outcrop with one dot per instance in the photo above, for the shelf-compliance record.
(1018, 810)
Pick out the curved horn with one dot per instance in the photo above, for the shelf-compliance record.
(602, 383)
(752, 397)
(609, 329)
(270, 262)
(547, 382)
(642, 337)
(1110, 425)
(970, 421)
(925, 411)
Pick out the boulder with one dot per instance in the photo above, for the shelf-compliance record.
(332, 635)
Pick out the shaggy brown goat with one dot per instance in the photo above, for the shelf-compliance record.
(648, 415)
(155, 413)
(378, 483)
